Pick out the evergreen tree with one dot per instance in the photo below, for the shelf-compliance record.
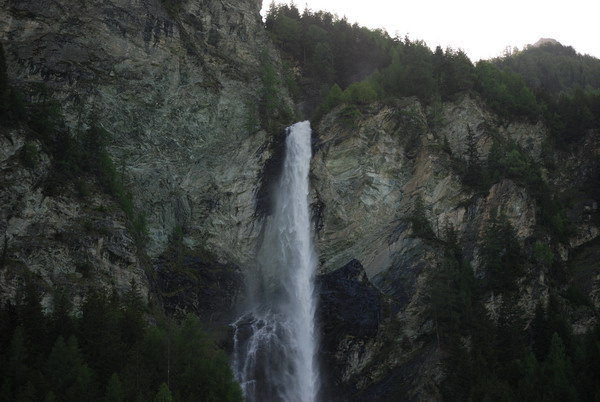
(559, 378)
(475, 176)
(458, 73)
(558, 322)
(472, 151)
(8, 324)
(16, 357)
(99, 330)
(33, 320)
(269, 102)
(418, 219)
(60, 322)
(114, 390)
(500, 254)
(132, 321)
(510, 337)
(322, 63)
(540, 333)
(69, 376)
(66, 373)
(6, 394)
(163, 394)
(419, 80)
(201, 379)
(26, 393)
(527, 369)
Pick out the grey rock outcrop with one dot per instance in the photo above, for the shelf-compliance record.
(175, 87)
(61, 240)
(367, 174)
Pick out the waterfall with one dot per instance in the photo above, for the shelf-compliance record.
(275, 341)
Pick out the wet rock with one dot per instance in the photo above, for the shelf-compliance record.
(348, 317)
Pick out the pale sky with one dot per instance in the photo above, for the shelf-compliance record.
(483, 29)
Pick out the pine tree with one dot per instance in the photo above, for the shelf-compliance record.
(33, 320)
(60, 322)
(6, 394)
(26, 393)
(8, 324)
(17, 359)
(528, 372)
(500, 254)
(472, 151)
(475, 176)
(559, 377)
(540, 333)
(99, 330)
(132, 321)
(114, 390)
(69, 376)
(62, 365)
(163, 394)
(418, 219)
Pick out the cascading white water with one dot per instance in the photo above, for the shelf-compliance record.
(275, 341)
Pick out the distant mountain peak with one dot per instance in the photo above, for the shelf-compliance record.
(546, 41)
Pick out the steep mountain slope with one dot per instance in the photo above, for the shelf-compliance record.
(411, 188)
(370, 175)
(177, 88)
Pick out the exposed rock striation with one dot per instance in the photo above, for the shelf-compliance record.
(61, 240)
(175, 87)
(367, 175)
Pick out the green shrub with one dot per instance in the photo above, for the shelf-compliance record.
(542, 253)
(560, 224)
(360, 93)
(349, 115)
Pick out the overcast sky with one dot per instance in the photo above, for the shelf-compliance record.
(481, 28)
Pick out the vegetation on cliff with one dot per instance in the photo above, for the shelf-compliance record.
(341, 62)
(490, 356)
(92, 344)
(493, 349)
(76, 159)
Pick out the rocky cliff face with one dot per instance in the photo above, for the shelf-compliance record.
(368, 171)
(177, 84)
(368, 174)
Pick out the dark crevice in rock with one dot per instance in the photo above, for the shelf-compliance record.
(317, 214)
(348, 316)
(269, 176)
